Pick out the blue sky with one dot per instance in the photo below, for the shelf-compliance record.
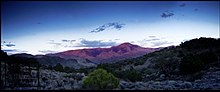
(40, 27)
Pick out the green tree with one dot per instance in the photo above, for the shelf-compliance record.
(100, 79)
(58, 67)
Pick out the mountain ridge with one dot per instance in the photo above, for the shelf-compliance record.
(122, 51)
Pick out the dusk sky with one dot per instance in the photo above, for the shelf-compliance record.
(40, 27)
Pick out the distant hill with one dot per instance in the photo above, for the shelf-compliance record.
(53, 60)
(102, 55)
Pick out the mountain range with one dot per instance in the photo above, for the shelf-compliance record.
(103, 55)
(90, 57)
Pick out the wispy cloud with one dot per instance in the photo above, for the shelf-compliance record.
(95, 43)
(155, 39)
(8, 44)
(115, 25)
(14, 51)
(9, 50)
(160, 43)
(65, 40)
(53, 42)
(167, 14)
(152, 36)
(79, 43)
(47, 51)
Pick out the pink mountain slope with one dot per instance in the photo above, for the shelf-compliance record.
(122, 51)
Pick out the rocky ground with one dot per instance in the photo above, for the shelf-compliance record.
(52, 80)
(209, 80)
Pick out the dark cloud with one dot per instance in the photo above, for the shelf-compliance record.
(132, 42)
(9, 45)
(95, 43)
(182, 5)
(115, 25)
(47, 51)
(196, 10)
(167, 14)
(159, 43)
(39, 23)
(65, 40)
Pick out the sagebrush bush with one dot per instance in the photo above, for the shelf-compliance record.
(100, 79)
(67, 69)
(133, 75)
(130, 74)
(166, 67)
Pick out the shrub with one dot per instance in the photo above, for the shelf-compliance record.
(180, 54)
(140, 62)
(86, 71)
(58, 67)
(100, 79)
(67, 69)
(191, 64)
(49, 67)
(166, 67)
(208, 57)
(131, 75)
